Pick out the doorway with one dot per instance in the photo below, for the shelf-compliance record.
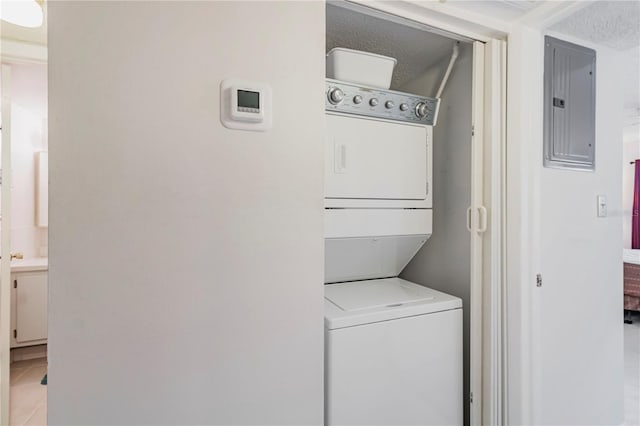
(24, 235)
(463, 255)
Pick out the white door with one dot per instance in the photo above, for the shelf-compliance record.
(374, 159)
(493, 303)
(5, 245)
(477, 224)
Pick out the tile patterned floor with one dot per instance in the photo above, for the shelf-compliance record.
(28, 396)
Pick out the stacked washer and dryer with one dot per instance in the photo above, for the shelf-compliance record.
(393, 347)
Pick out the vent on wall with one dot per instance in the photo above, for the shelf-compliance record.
(569, 105)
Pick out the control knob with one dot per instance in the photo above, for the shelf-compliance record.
(404, 107)
(357, 99)
(389, 104)
(422, 109)
(373, 102)
(335, 95)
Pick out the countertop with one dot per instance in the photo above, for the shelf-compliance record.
(28, 265)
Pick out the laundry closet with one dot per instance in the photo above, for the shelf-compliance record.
(403, 240)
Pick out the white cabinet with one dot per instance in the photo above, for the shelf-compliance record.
(29, 308)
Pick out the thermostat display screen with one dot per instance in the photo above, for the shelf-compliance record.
(247, 99)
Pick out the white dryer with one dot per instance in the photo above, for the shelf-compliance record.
(393, 348)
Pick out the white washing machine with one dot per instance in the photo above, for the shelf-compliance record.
(393, 354)
(393, 348)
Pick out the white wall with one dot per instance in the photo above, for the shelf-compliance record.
(565, 337)
(186, 259)
(581, 299)
(28, 131)
(444, 262)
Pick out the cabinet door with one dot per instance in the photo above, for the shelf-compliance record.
(31, 306)
(375, 159)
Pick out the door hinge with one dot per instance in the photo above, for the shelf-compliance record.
(471, 398)
(15, 283)
(15, 334)
(473, 130)
(539, 280)
(558, 103)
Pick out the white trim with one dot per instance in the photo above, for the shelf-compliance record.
(503, 240)
(524, 136)
(534, 112)
(5, 247)
(19, 52)
(446, 19)
(459, 16)
(477, 189)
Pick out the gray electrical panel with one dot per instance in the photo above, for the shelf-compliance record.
(569, 105)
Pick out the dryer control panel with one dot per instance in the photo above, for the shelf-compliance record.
(355, 99)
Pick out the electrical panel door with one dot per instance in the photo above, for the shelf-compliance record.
(569, 105)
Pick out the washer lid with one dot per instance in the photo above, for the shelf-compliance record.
(362, 295)
(364, 302)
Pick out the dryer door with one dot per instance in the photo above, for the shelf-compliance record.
(375, 159)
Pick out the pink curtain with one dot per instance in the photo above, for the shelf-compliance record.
(635, 218)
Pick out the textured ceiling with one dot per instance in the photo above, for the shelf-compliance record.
(414, 48)
(611, 23)
(615, 24)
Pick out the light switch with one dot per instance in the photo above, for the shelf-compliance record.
(602, 206)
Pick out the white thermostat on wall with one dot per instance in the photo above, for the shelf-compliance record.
(245, 105)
